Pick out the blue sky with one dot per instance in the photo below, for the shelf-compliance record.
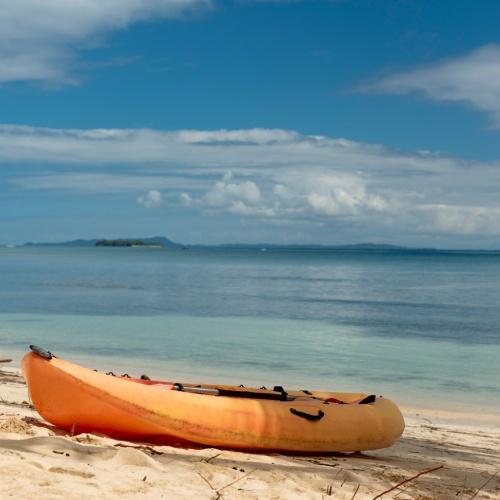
(223, 120)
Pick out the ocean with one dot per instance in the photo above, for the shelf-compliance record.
(420, 327)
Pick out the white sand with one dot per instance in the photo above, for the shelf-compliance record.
(37, 460)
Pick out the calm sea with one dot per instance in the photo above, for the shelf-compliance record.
(421, 327)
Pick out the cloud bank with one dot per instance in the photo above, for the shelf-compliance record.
(473, 78)
(271, 175)
(39, 39)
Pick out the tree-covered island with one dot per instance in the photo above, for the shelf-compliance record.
(125, 243)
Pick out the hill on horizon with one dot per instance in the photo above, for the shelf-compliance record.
(165, 242)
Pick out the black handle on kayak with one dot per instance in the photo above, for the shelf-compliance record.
(308, 416)
(368, 400)
(41, 352)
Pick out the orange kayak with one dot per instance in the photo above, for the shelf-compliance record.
(78, 400)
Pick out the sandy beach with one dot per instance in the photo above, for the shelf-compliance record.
(36, 458)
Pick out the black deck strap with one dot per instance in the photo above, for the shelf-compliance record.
(253, 395)
(111, 373)
(42, 352)
(305, 391)
(178, 386)
(284, 394)
(144, 377)
(368, 400)
(125, 375)
(308, 416)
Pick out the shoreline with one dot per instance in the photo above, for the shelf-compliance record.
(35, 456)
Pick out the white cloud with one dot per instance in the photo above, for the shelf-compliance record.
(313, 194)
(219, 150)
(228, 195)
(38, 38)
(226, 190)
(152, 199)
(473, 78)
(277, 176)
(337, 194)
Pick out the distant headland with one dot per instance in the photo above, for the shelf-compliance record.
(150, 242)
(162, 242)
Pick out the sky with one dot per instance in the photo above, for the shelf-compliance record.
(277, 121)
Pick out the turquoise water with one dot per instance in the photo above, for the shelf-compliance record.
(421, 327)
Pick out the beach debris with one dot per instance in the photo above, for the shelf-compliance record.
(57, 452)
(355, 492)
(235, 481)
(16, 425)
(72, 472)
(23, 404)
(7, 377)
(218, 492)
(87, 439)
(428, 471)
(484, 485)
(316, 462)
(209, 459)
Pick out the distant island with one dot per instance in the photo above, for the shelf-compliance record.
(126, 243)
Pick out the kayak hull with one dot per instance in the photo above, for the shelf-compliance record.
(79, 400)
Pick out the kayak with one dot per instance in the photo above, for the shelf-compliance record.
(78, 399)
